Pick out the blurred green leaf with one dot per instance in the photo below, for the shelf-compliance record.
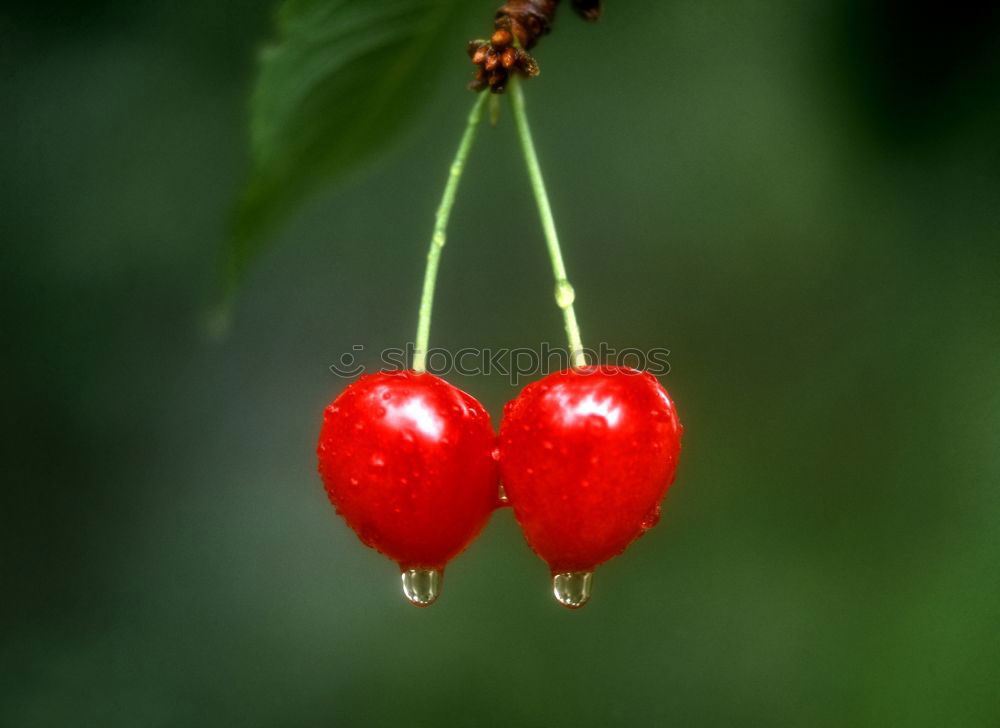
(342, 79)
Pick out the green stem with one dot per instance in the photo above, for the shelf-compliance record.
(438, 237)
(564, 291)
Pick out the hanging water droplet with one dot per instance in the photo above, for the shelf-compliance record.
(422, 586)
(502, 494)
(565, 295)
(572, 588)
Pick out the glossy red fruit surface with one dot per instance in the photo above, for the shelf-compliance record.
(586, 455)
(407, 460)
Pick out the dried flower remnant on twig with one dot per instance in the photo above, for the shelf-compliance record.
(519, 26)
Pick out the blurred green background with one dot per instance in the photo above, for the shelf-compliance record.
(800, 200)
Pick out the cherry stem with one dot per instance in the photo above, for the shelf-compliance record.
(565, 296)
(439, 236)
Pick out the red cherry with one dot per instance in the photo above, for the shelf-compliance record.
(407, 460)
(586, 456)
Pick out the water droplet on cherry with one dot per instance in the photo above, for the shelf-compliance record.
(572, 588)
(596, 423)
(651, 519)
(422, 586)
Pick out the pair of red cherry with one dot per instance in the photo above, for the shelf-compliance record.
(585, 456)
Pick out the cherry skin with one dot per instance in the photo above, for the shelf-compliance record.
(407, 460)
(586, 456)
